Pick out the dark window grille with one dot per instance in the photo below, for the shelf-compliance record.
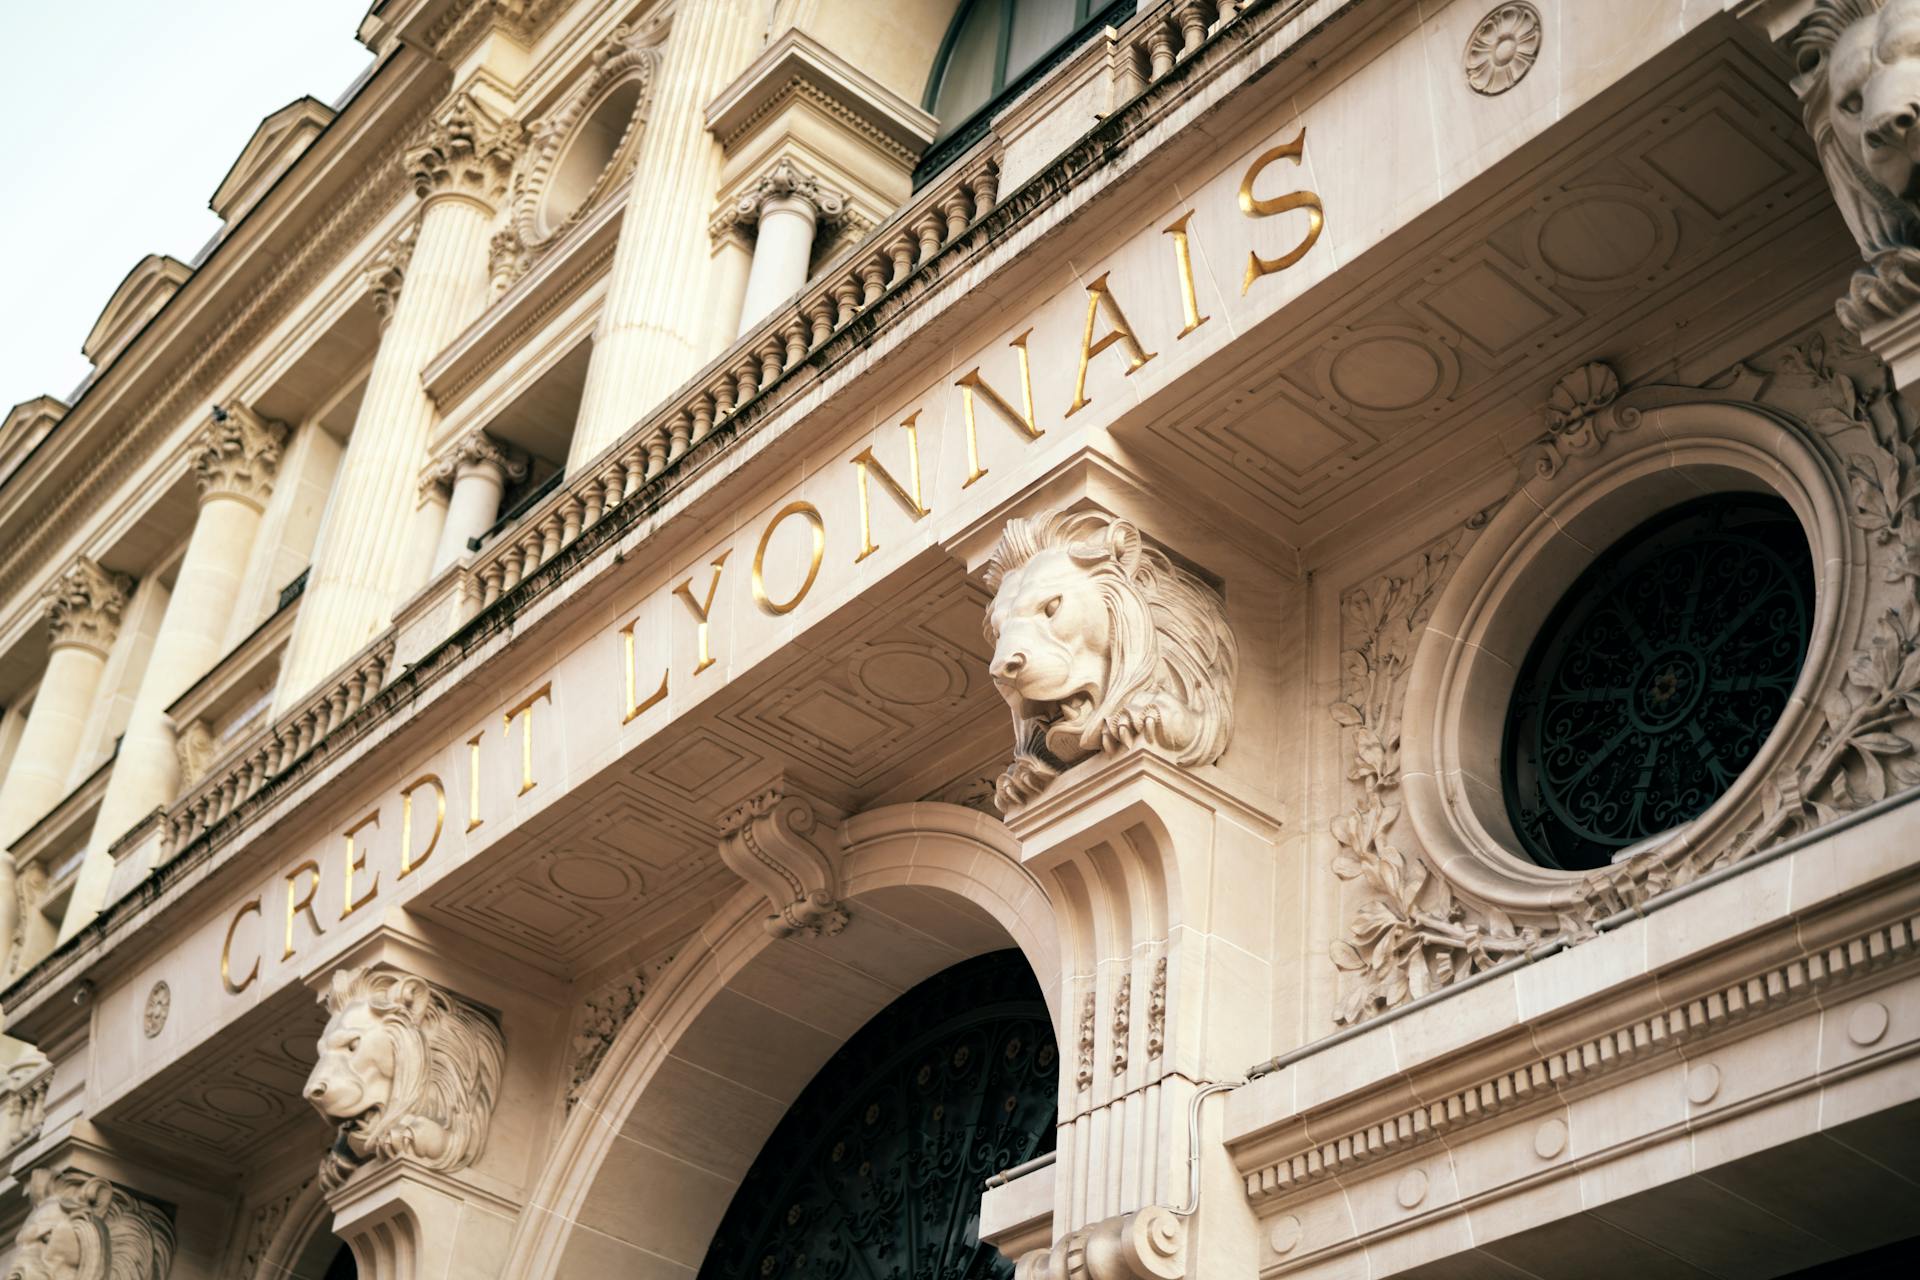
(876, 1169)
(1657, 678)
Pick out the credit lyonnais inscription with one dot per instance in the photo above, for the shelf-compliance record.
(1241, 232)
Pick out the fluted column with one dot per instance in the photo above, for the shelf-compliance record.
(83, 614)
(650, 332)
(460, 170)
(788, 205)
(477, 474)
(236, 458)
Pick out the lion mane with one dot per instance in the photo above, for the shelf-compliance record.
(448, 1057)
(119, 1236)
(1171, 658)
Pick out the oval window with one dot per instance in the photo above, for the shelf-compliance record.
(578, 175)
(1657, 678)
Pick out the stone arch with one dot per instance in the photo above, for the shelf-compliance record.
(304, 1245)
(739, 1023)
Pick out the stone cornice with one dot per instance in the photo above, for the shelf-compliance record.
(247, 284)
(798, 66)
(84, 606)
(1101, 158)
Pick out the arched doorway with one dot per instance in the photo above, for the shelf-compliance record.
(876, 1169)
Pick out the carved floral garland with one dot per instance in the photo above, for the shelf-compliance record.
(1410, 932)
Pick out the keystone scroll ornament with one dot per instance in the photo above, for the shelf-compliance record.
(1102, 643)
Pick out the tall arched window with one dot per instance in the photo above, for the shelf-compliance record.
(993, 50)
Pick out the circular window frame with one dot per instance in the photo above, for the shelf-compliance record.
(1637, 463)
(553, 139)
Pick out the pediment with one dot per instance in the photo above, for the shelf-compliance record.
(275, 145)
(26, 425)
(153, 280)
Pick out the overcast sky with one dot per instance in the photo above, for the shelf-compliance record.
(123, 116)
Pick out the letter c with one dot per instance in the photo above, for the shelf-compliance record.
(226, 952)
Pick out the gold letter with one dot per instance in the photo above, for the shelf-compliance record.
(357, 862)
(407, 864)
(972, 382)
(626, 649)
(1183, 259)
(226, 952)
(812, 514)
(685, 592)
(1258, 266)
(526, 733)
(862, 460)
(473, 780)
(305, 904)
(1122, 332)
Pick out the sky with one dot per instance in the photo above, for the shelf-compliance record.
(124, 116)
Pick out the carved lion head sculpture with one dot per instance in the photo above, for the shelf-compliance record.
(80, 1227)
(1101, 642)
(405, 1069)
(1858, 81)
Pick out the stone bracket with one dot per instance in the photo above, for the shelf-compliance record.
(770, 840)
(1149, 1244)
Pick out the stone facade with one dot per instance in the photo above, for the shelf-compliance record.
(693, 546)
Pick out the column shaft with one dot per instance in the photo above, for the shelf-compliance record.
(44, 759)
(191, 639)
(650, 331)
(358, 567)
(471, 510)
(781, 253)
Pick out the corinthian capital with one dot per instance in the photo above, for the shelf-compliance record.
(464, 151)
(84, 607)
(238, 454)
(388, 271)
(784, 181)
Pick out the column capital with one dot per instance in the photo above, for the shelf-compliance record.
(476, 449)
(464, 151)
(81, 1224)
(237, 454)
(84, 606)
(388, 271)
(785, 180)
(407, 1071)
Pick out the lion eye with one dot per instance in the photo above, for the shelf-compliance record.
(353, 1045)
(1851, 104)
(1052, 606)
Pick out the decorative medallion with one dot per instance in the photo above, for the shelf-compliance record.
(1503, 48)
(159, 1004)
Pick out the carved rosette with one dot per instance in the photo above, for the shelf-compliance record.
(769, 841)
(1857, 109)
(237, 455)
(84, 607)
(87, 1228)
(1503, 48)
(464, 152)
(1102, 644)
(407, 1070)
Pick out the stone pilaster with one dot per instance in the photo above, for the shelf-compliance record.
(236, 457)
(1120, 667)
(460, 167)
(651, 334)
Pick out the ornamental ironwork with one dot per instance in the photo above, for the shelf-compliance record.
(1657, 678)
(875, 1172)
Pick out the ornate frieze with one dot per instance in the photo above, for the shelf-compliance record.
(84, 606)
(407, 1069)
(464, 151)
(1857, 85)
(1102, 643)
(237, 454)
(80, 1227)
(768, 841)
(601, 1019)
